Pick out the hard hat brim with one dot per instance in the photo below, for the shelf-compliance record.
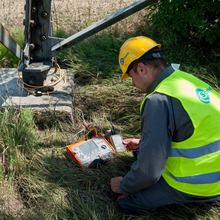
(124, 76)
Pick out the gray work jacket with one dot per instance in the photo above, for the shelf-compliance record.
(163, 120)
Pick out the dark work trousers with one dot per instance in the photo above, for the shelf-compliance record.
(159, 194)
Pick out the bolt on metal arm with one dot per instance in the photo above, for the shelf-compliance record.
(40, 46)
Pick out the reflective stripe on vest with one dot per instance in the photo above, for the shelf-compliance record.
(193, 166)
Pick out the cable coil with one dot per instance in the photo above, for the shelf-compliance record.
(62, 76)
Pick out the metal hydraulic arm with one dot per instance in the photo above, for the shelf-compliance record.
(8, 41)
(40, 47)
(100, 25)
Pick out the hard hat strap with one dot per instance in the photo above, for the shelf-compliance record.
(147, 56)
(151, 56)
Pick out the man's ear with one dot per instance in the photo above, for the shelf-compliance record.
(141, 68)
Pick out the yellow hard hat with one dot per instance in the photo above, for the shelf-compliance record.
(133, 49)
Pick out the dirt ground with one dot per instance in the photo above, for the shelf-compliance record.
(10, 204)
(69, 15)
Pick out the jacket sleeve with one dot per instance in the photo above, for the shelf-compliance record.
(156, 136)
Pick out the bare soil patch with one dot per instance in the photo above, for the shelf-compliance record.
(70, 16)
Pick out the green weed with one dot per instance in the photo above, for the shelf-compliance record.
(34, 162)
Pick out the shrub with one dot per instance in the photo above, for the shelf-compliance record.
(199, 19)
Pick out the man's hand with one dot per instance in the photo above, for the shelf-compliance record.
(131, 143)
(115, 182)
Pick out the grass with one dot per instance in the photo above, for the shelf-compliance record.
(36, 173)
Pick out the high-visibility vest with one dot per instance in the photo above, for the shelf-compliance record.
(193, 166)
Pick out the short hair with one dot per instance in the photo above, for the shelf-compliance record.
(153, 63)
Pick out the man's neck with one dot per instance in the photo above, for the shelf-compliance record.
(157, 72)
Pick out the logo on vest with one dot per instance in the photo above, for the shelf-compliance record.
(122, 60)
(203, 95)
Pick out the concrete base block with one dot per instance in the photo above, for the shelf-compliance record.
(11, 94)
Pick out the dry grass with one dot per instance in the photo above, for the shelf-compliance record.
(50, 184)
(69, 15)
(9, 200)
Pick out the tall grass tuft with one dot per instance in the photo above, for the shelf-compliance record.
(44, 180)
(16, 139)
